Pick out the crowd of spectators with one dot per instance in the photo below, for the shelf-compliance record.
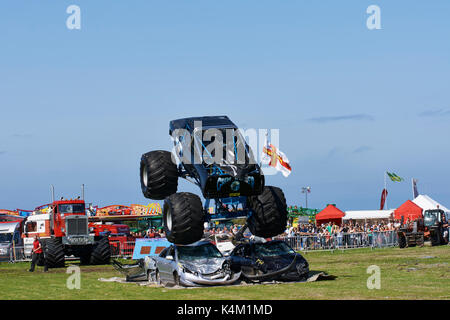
(348, 234)
(332, 228)
(303, 229)
(150, 233)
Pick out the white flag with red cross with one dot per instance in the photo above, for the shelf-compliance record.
(276, 159)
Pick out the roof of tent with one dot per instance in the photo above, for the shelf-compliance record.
(408, 210)
(368, 214)
(330, 212)
(426, 203)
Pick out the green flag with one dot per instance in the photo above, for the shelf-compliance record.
(394, 177)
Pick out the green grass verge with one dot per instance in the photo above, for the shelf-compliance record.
(412, 273)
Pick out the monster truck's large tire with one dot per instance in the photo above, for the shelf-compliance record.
(159, 175)
(101, 252)
(54, 253)
(269, 217)
(183, 218)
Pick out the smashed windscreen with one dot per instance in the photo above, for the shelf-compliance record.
(190, 253)
(271, 249)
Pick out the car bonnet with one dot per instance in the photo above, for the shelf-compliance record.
(204, 266)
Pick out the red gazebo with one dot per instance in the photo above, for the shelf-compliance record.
(330, 214)
(408, 210)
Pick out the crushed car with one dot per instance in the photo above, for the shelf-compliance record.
(140, 270)
(197, 264)
(268, 261)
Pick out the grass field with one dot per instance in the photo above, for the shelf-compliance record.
(412, 273)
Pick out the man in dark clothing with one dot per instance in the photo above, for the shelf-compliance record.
(37, 254)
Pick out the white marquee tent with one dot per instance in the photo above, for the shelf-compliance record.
(426, 203)
(368, 215)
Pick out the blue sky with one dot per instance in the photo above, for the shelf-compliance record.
(81, 106)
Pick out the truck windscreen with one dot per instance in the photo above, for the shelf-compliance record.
(72, 208)
(429, 218)
(5, 237)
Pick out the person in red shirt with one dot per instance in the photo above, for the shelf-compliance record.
(37, 254)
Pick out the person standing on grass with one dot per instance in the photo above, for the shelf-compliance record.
(37, 254)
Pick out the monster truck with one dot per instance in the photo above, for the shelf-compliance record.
(224, 170)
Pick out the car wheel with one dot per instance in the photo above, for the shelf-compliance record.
(158, 278)
(176, 279)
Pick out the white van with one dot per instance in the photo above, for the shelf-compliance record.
(11, 243)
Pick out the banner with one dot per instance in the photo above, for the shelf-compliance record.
(149, 247)
(384, 194)
(415, 191)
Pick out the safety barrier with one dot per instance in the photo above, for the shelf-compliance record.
(121, 249)
(14, 254)
(302, 242)
(21, 253)
(342, 241)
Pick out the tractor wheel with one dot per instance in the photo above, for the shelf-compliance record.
(269, 217)
(101, 252)
(435, 241)
(54, 253)
(159, 175)
(183, 218)
(401, 241)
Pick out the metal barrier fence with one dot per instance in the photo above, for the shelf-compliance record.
(342, 241)
(14, 254)
(309, 242)
(121, 249)
(23, 253)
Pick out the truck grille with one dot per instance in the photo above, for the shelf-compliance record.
(77, 226)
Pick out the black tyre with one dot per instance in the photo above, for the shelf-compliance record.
(269, 217)
(101, 252)
(157, 278)
(176, 279)
(183, 218)
(435, 239)
(159, 175)
(401, 241)
(54, 253)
